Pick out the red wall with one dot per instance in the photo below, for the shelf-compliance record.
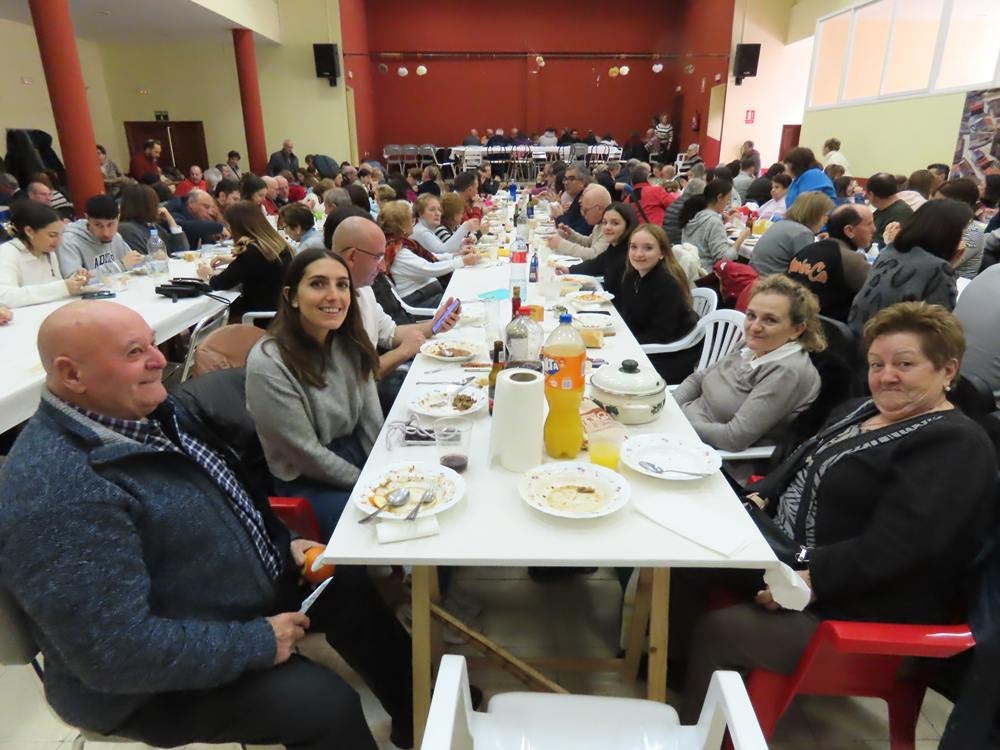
(485, 92)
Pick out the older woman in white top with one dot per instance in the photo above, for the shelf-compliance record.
(428, 211)
(414, 270)
(29, 270)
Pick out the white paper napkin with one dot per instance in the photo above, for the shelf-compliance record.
(696, 521)
(399, 531)
(787, 587)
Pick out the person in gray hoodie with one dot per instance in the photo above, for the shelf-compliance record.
(702, 224)
(93, 241)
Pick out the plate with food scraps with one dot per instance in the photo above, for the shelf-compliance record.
(450, 351)
(594, 297)
(665, 457)
(574, 490)
(587, 283)
(417, 477)
(449, 403)
(186, 255)
(594, 321)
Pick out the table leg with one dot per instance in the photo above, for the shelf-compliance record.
(423, 579)
(656, 687)
(636, 638)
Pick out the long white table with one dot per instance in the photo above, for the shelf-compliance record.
(492, 526)
(21, 374)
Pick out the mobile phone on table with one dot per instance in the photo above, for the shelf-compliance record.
(448, 311)
(98, 295)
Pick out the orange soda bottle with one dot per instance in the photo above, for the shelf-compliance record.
(563, 357)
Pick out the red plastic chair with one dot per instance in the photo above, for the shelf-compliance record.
(297, 514)
(863, 659)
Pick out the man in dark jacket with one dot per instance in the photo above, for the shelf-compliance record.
(283, 160)
(165, 599)
(576, 179)
(196, 213)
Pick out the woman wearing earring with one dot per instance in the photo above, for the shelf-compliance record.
(885, 531)
(311, 386)
(655, 301)
(754, 393)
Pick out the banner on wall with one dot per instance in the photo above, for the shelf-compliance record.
(977, 153)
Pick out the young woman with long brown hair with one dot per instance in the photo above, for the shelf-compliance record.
(260, 257)
(311, 386)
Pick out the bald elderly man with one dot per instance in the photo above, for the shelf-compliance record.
(271, 196)
(283, 160)
(198, 215)
(165, 596)
(593, 203)
(361, 243)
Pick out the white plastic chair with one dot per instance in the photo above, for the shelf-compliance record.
(249, 318)
(545, 721)
(704, 301)
(18, 648)
(201, 329)
(721, 329)
(472, 158)
(417, 312)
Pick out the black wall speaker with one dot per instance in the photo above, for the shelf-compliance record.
(327, 66)
(745, 62)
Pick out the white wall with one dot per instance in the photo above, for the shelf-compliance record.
(777, 95)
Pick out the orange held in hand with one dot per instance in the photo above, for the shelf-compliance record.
(320, 575)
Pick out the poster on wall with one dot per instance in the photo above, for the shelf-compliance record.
(977, 153)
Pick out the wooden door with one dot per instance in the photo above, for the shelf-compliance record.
(183, 142)
(677, 120)
(789, 139)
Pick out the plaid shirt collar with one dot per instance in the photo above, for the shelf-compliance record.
(148, 431)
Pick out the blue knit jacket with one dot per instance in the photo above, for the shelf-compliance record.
(812, 180)
(135, 574)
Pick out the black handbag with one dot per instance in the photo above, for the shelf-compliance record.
(786, 549)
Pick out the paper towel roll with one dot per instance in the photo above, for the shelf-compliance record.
(518, 420)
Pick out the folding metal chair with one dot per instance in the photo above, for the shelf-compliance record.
(201, 330)
(393, 155)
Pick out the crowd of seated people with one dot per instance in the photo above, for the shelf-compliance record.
(882, 258)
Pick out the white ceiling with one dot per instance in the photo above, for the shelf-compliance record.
(136, 20)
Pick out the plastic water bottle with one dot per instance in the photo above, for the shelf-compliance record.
(872, 254)
(533, 269)
(159, 264)
(513, 191)
(519, 262)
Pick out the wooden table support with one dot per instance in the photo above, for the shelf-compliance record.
(656, 684)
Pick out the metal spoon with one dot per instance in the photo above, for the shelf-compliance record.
(426, 499)
(659, 470)
(397, 499)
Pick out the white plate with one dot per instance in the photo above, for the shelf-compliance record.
(448, 350)
(428, 405)
(594, 321)
(576, 278)
(537, 488)
(670, 453)
(186, 255)
(416, 476)
(590, 298)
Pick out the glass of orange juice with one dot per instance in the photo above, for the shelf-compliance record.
(605, 448)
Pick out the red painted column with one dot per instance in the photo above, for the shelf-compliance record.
(68, 96)
(253, 115)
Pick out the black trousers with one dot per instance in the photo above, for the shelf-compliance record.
(299, 704)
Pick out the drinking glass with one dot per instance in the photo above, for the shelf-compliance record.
(452, 437)
(112, 274)
(605, 448)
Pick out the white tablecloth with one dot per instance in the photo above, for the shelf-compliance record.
(21, 374)
(493, 526)
(538, 152)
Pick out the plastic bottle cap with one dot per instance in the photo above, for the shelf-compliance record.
(565, 318)
(154, 233)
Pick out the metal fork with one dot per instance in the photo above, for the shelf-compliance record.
(649, 466)
(426, 499)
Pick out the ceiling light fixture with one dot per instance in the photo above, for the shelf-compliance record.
(421, 70)
(403, 72)
(624, 70)
(657, 67)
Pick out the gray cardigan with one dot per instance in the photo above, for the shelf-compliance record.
(778, 245)
(296, 422)
(732, 405)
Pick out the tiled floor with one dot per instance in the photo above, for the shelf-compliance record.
(578, 617)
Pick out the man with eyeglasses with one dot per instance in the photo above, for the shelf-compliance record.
(593, 203)
(575, 180)
(362, 245)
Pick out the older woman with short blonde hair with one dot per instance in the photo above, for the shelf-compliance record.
(413, 269)
(428, 211)
(753, 394)
(779, 244)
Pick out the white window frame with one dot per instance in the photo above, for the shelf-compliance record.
(930, 89)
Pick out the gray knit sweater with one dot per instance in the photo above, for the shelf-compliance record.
(295, 422)
(732, 405)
